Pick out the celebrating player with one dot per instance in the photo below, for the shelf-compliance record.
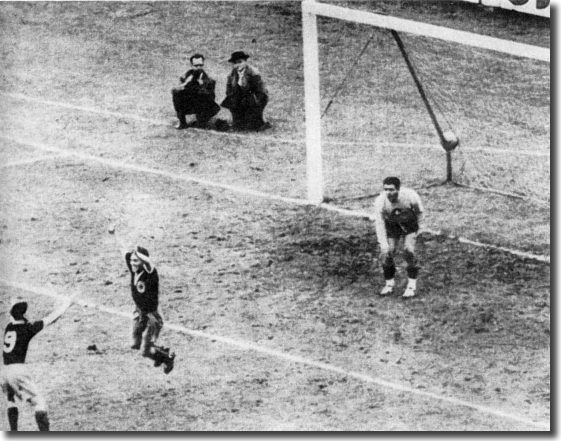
(147, 322)
(16, 382)
(398, 212)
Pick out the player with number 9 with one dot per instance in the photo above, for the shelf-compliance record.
(15, 380)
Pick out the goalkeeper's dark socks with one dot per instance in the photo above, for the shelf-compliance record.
(13, 418)
(412, 272)
(389, 271)
(42, 420)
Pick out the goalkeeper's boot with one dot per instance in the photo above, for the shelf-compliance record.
(388, 288)
(169, 363)
(411, 287)
(409, 291)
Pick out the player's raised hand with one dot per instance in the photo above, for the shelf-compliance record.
(112, 230)
(55, 315)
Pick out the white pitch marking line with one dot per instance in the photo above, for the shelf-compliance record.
(139, 168)
(365, 214)
(266, 138)
(242, 190)
(251, 346)
(31, 160)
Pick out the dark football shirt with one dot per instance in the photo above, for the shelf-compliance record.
(144, 288)
(16, 340)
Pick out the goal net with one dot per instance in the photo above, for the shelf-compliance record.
(363, 98)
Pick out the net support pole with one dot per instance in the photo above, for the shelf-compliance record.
(314, 171)
(426, 101)
(418, 84)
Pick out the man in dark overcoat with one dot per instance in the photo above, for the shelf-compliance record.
(246, 94)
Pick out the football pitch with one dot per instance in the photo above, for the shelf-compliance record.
(269, 303)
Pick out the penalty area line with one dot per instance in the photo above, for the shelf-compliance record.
(255, 193)
(251, 346)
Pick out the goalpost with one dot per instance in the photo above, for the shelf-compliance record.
(311, 9)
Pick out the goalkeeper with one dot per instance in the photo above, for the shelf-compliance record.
(398, 212)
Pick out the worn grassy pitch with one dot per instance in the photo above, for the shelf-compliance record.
(292, 278)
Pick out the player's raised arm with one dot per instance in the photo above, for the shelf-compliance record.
(55, 315)
(128, 255)
(112, 230)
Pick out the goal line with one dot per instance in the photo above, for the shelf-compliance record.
(255, 193)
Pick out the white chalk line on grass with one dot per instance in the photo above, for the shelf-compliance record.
(31, 160)
(255, 193)
(396, 145)
(365, 214)
(143, 169)
(251, 346)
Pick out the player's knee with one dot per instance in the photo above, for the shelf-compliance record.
(152, 324)
(137, 326)
(387, 258)
(151, 334)
(154, 327)
(147, 345)
(383, 257)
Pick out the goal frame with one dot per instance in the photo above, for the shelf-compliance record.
(311, 9)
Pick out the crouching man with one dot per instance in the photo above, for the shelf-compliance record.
(398, 212)
(195, 95)
(246, 95)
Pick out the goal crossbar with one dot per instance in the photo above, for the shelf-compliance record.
(427, 30)
(311, 9)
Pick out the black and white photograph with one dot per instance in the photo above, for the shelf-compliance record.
(298, 216)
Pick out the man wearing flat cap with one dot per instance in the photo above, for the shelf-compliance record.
(246, 94)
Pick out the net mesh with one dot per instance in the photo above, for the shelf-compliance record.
(497, 104)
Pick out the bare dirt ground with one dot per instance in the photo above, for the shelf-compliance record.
(296, 280)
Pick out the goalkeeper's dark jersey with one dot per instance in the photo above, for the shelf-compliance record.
(17, 336)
